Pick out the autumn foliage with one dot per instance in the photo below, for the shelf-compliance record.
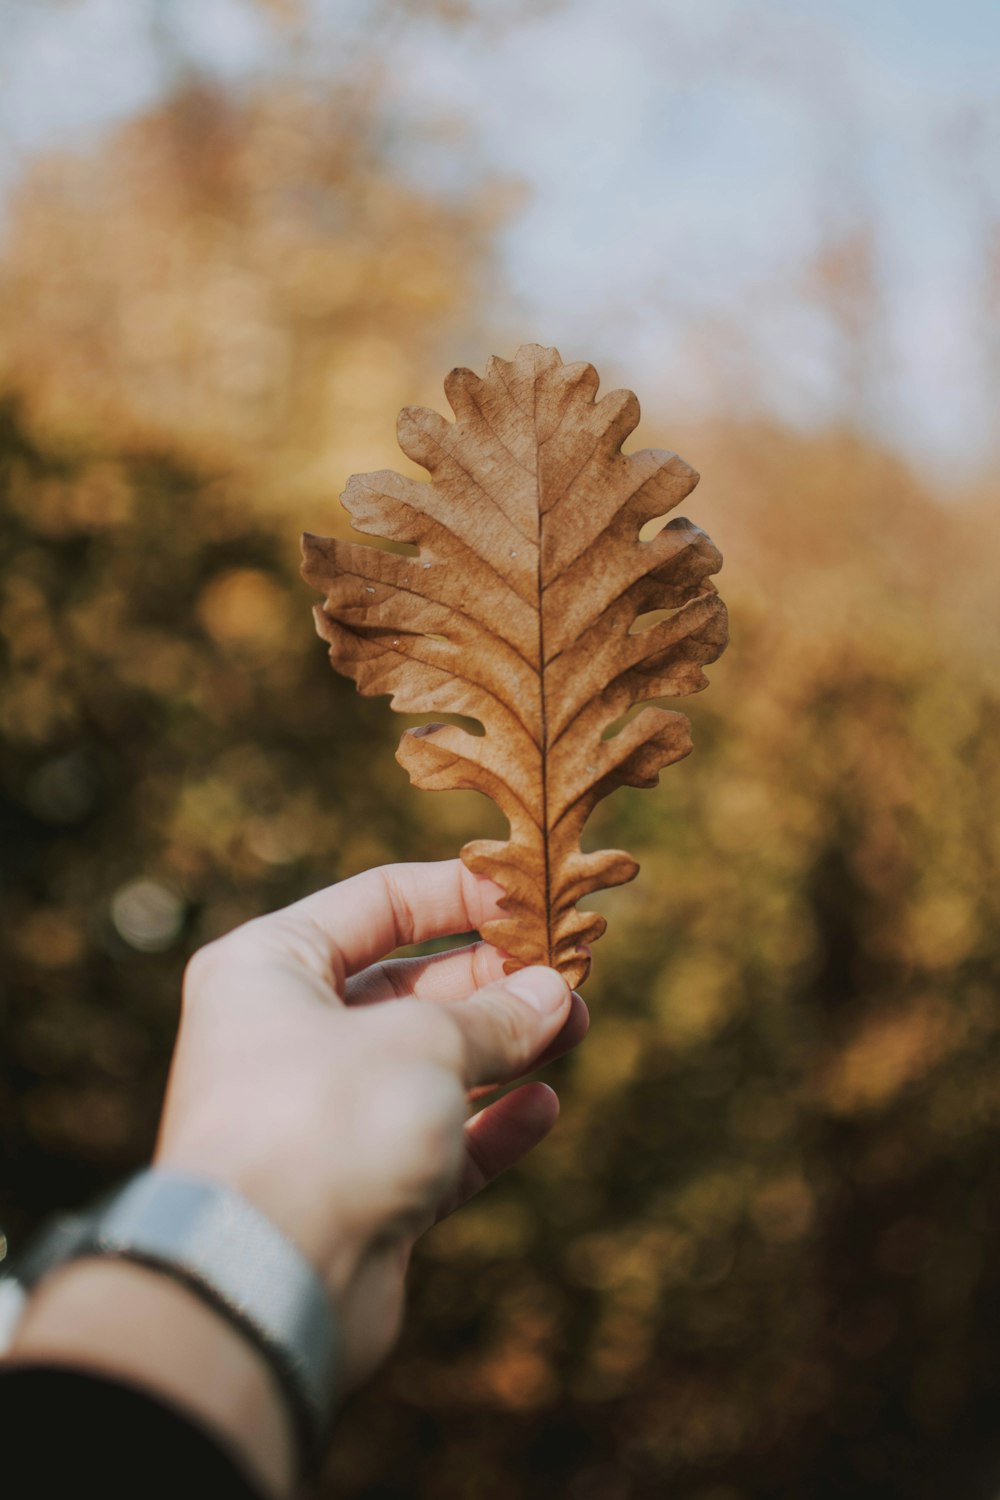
(519, 614)
(759, 1256)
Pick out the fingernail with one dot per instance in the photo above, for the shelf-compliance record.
(543, 989)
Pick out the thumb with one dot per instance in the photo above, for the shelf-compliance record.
(507, 1025)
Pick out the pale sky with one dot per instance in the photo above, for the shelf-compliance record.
(684, 161)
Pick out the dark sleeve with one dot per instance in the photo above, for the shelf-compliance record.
(67, 1432)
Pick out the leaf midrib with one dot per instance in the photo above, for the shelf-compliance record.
(543, 724)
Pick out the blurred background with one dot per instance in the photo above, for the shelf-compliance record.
(760, 1256)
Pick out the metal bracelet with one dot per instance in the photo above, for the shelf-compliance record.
(214, 1241)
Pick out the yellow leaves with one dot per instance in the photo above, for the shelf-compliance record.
(713, 1203)
(761, 1113)
(194, 280)
(31, 713)
(636, 1264)
(784, 1209)
(516, 1377)
(244, 609)
(700, 994)
(888, 1052)
(50, 937)
(942, 929)
(793, 1064)
(618, 1060)
(96, 501)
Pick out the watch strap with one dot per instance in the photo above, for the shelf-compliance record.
(212, 1239)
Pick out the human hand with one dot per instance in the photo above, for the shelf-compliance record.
(331, 1087)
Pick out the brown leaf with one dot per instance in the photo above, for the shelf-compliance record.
(516, 612)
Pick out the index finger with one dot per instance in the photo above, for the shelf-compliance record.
(368, 915)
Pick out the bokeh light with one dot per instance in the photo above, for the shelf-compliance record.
(147, 915)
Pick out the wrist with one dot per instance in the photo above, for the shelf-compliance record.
(134, 1323)
(222, 1250)
(309, 1222)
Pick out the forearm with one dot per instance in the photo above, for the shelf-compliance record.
(334, 1132)
(126, 1321)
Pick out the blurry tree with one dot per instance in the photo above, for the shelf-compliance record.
(151, 633)
(243, 279)
(208, 315)
(758, 1259)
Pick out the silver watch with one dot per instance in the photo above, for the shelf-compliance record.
(230, 1254)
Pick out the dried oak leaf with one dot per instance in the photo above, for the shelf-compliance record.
(517, 612)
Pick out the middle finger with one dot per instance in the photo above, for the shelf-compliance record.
(443, 977)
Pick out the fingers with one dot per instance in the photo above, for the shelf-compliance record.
(506, 1027)
(445, 977)
(573, 1031)
(499, 1136)
(370, 914)
(437, 977)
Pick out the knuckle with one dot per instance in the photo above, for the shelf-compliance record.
(403, 916)
(484, 965)
(296, 936)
